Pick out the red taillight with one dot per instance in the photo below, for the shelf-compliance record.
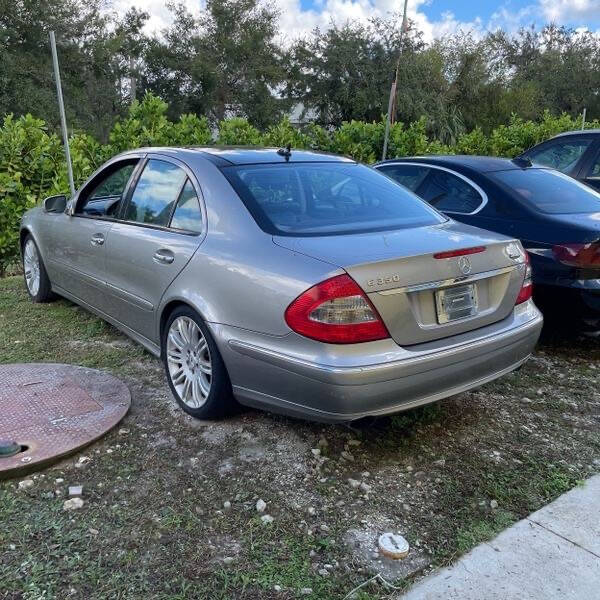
(336, 311)
(461, 252)
(525, 293)
(584, 256)
(527, 288)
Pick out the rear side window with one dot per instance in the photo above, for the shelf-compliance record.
(187, 215)
(549, 191)
(156, 193)
(410, 176)
(326, 199)
(443, 190)
(562, 156)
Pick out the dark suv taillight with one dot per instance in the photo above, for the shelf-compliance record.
(336, 311)
(584, 256)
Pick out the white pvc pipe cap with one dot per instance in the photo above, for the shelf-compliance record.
(393, 545)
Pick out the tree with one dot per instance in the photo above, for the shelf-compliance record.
(129, 44)
(344, 71)
(225, 62)
(559, 68)
(87, 69)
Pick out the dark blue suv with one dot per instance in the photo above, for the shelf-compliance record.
(556, 218)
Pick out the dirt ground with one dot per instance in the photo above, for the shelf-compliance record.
(170, 503)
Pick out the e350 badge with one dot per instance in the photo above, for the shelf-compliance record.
(384, 280)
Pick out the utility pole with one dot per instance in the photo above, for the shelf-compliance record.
(61, 108)
(583, 120)
(392, 101)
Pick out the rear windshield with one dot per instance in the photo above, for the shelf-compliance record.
(550, 191)
(305, 199)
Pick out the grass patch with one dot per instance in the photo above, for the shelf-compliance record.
(154, 525)
(58, 332)
(482, 530)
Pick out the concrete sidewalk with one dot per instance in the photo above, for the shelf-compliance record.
(554, 553)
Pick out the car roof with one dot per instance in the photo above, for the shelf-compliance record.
(481, 164)
(578, 132)
(245, 155)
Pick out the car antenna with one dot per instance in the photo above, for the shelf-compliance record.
(285, 152)
(523, 162)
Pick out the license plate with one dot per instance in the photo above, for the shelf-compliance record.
(456, 303)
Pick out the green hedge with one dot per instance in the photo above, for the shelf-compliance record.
(32, 162)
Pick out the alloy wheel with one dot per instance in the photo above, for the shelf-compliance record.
(31, 266)
(189, 361)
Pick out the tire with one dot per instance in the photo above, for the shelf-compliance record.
(37, 282)
(194, 367)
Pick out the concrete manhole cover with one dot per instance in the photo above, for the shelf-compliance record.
(52, 410)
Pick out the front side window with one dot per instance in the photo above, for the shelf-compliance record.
(562, 156)
(156, 193)
(102, 197)
(113, 185)
(325, 199)
(549, 191)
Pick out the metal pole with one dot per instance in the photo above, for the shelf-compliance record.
(61, 108)
(583, 120)
(394, 87)
(387, 120)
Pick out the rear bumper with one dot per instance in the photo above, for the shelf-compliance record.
(384, 379)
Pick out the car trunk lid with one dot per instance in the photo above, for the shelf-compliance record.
(426, 283)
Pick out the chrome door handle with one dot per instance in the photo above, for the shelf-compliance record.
(97, 239)
(165, 257)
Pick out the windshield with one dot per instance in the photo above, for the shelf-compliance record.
(550, 191)
(325, 199)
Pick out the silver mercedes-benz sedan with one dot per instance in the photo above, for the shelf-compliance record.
(293, 281)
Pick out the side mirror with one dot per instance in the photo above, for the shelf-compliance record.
(55, 204)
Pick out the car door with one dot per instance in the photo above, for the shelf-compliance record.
(158, 230)
(564, 154)
(77, 246)
(590, 172)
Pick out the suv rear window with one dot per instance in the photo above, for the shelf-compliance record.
(549, 191)
(305, 199)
